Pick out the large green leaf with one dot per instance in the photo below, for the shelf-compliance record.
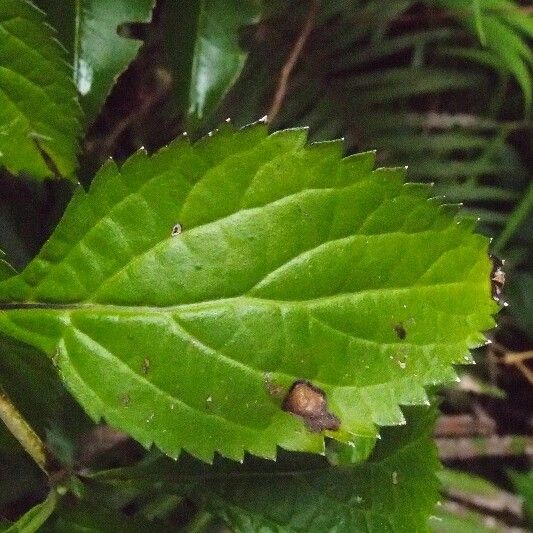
(89, 29)
(39, 113)
(396, 490)
(202, 41)
(185, 294)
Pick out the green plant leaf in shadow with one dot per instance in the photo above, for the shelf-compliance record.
(39, 113)
(395, 490)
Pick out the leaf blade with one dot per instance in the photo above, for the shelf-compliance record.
(305, 493)
(285, 255)
(40, 116)
(89, 30)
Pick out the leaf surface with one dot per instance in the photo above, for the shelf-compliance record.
(90, 30)
(396, 490)
(39, 113)
(186, 293)
(203, 51)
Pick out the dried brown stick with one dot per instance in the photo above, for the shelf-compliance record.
(464, 425)
(528, 374)
(292, 59)
(471, 448)
(517, 357)
(23, 432)
(498, 502)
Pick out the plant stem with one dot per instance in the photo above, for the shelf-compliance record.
(291, 61)
(22, 431)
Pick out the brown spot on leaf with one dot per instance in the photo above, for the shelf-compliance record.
(309, 402)
(497, 278)
(400, 331)
(145, 366)
(125, 399)
(274, 389)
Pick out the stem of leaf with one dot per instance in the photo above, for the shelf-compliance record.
(22, 431)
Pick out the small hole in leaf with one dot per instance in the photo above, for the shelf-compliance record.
(400, 331)
(176, 229)
(310, 403)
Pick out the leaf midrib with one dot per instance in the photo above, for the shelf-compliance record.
(207, 304)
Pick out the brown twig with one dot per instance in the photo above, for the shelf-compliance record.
(511, 358)
(464, 426)
(527, 373)
(516, 359)
(281, 89)
(22, 431)
(489, 521)
(471, 448)
(498, 502)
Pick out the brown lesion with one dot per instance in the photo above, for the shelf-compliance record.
(497, 278)
(400, 331)
(309, 402)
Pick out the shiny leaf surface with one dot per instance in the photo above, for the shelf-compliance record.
(203, 51)
(39, 113)
(91, 32)
(186, 294)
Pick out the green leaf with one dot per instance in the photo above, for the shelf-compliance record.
(89, 29)
(32, 384)
(396, 490)
(86, 517)
(187, 293)
(39, 113)
(501, 28)
(36, 516)
(202, 41)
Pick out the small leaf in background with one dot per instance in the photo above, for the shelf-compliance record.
(36, 516)
(194, 288)
(39, 113)
(395, 490)
(90, 31)
(32, 384)
(504, 33)
(203, 52)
